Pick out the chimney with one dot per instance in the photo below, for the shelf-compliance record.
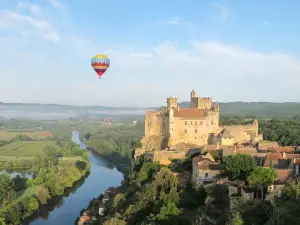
(283, 155)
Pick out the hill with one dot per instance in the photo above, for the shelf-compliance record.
(258, 109)
(54, 111)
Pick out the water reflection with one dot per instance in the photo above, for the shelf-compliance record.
(55, 203)
(64, 210)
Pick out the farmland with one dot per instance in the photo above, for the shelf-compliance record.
(24, 148)
(11, 133)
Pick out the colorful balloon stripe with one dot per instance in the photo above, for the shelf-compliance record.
(100, 64)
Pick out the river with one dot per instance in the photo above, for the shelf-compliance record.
(65, 209)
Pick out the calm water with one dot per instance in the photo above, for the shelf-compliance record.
(64, 210)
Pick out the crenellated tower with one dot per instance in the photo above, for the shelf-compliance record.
(200, 102)
(172, 103)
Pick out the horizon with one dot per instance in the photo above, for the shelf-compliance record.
(156, 49)
(135, 107)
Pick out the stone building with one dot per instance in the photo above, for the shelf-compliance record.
(173, 127)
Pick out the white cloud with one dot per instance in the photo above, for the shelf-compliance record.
(20, 22)
(32, 8)
(177, 21)
(135, 77)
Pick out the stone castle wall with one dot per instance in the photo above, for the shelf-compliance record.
(193, 131)
(163, 130)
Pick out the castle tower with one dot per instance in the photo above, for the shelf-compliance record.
(193, 94)
(193, 103)
(255, 123)
(172, 103)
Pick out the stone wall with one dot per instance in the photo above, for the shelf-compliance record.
(165, 157)
(193, 131)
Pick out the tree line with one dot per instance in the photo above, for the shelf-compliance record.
(50, 178)
(285, 131)
(116, 143)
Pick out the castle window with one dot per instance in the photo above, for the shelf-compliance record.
(185, 130)
(201, 122)
(191, 122)
(185, 122)
(195, 137)
(196, 122)
(212, 122)
(196, 131)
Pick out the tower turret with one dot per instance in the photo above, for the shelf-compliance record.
(193, 94)
(172, 103)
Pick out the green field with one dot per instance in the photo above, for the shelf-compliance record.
(24, 148)
(11, 133)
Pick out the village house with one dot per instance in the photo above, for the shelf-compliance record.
(105, 197)
(287, 167)
(205, 170)
(101, 208)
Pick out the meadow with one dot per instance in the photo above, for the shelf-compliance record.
(24, 148)
(34, 134)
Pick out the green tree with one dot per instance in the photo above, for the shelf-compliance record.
(117, 199)
(81, 165)
(33, 204)
(165, 180)
(42, 195)
(238, 165)
(236, 219)
(262, 176)
(167, 210)
(50, 158)
(114, 221)
(2, 221)
(7, 193)
(85, 155)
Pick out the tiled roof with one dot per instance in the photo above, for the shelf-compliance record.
(284, 176)
(272, 156)
(291, 156)
(281, 149)
(189, 112)
(206, 164)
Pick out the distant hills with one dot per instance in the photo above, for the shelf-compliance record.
(260, 109)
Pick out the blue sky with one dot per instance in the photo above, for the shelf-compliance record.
(229, 50)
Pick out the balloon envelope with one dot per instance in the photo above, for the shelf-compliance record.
(100, 64)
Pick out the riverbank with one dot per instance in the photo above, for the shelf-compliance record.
(62, 210)
(47, 183)
(116, 143)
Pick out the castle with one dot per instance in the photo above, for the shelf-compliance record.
(180, 128)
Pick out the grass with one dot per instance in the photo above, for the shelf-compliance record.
(10, 134)
(12, 158)
(69, 160)
(24, 148)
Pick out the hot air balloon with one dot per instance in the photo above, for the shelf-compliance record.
(100, 64)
